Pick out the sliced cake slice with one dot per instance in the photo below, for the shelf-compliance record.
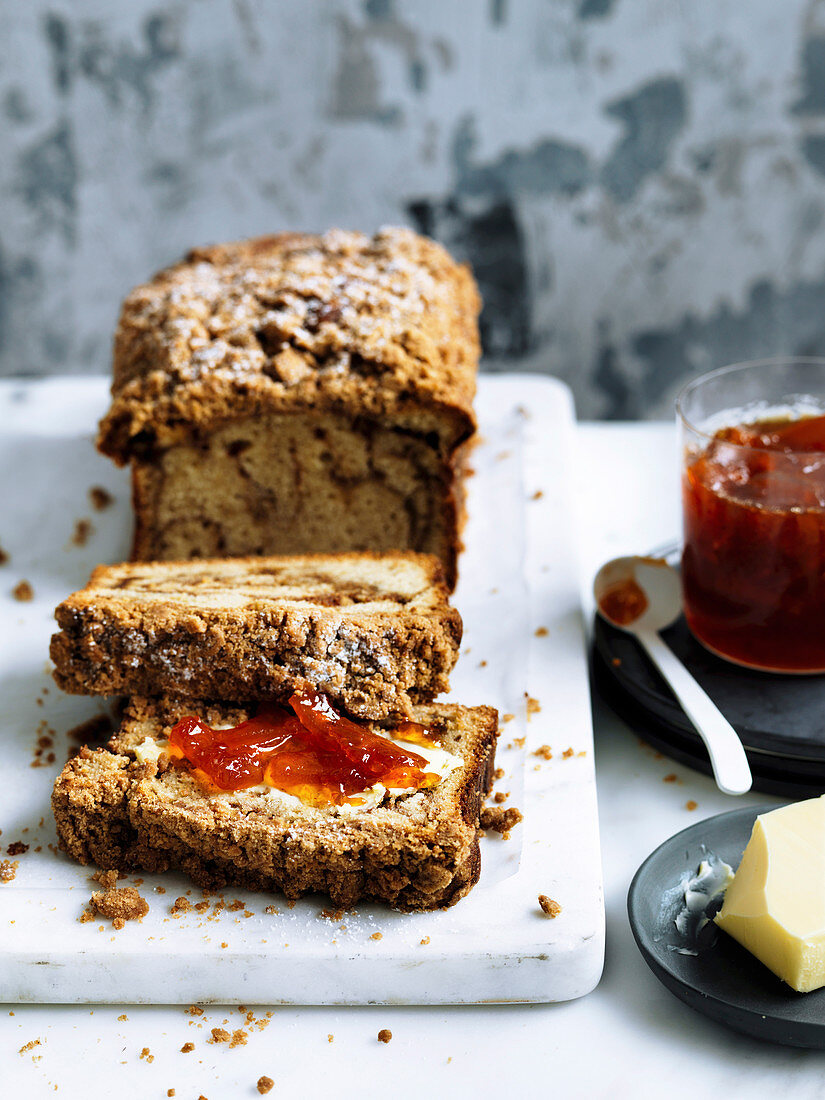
(131, 807)
(375, 632)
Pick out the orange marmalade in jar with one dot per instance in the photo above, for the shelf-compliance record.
(753, 563)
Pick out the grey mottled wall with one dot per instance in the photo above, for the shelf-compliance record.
(639, 184)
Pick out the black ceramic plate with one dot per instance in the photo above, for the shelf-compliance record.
(723, 981)
(781, 719)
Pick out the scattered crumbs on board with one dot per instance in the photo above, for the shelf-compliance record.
(500, 820)
(549, 907)
(100, 498)
(8, 869)
(83, 531)
(117, 904)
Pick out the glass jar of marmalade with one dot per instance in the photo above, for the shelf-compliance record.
(753, 490)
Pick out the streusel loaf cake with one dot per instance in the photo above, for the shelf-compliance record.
(132, 807)
(374, 632)
(298, 393)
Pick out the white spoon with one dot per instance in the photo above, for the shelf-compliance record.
(660, 586)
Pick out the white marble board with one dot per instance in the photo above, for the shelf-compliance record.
(518, 574)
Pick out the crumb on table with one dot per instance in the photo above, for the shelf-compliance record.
(544, 751)
(23, 591)
(264, 1085)
(533, 706)
(691, 805)
(384, 1035)
(187, 1048)
(4, 557)
(542, 632)
(549, 907)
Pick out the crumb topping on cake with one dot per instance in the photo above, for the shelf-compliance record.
(381, 325)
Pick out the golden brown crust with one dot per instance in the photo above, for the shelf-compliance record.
(381, 327)
(374, 632)
(415, 853)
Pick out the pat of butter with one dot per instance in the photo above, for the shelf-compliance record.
(775, 906)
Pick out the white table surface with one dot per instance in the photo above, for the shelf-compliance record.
(629, 1037)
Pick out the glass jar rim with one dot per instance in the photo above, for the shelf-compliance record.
(719, 372)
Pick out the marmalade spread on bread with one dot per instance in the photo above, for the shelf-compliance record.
(310, 751)
(753, 566)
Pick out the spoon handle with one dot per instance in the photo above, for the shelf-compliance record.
(727, 757)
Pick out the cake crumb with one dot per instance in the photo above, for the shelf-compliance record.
(83, 530)
(691, 805)
(100, 498)
(147, 1054)
(107, 879)
(542, 632)
(29, 1046)
(181, 905)
(499, 820)
(194, 1010)
(507, 717)
(669, 778)
(501, 796)
(533, 706)
(384, 1035)
(498, 773)
(4, 557)
(568, 753)
(235, 905)
(238, 1039)
(519, 742)
(330, 1037)
(549, 907)
(219, 1035)
(17, 848)
(424, 942)
(119, 904)
(271, 910)
(187, 1048)
(616, 662)
(544, 751)
(265, 1085)
(376, 936)
(170, 1092)
(539, 493)
(8, 869)
(23, 591)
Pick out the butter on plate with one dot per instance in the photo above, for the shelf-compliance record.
(775, 906)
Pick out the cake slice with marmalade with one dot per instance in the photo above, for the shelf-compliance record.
(374, 632)
(146, 803)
